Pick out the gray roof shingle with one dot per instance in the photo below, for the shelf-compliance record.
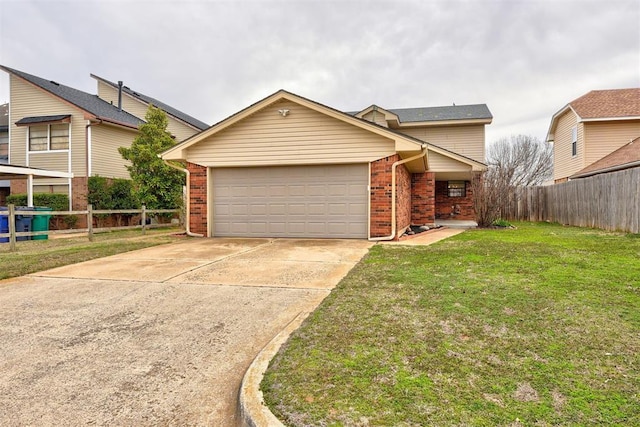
(42, 119)
(159, 104)
(83, 100)
(453, 112)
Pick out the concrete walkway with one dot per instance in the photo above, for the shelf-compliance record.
(159, 336)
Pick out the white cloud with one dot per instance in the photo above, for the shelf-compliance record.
(525, 59)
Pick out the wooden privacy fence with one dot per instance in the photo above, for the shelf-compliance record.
(609, 201)
(13, 234)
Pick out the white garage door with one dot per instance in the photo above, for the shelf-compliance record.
(291, 201)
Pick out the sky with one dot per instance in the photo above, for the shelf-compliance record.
(525, 59)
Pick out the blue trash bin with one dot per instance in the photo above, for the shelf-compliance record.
(4, 225)
(23, 222)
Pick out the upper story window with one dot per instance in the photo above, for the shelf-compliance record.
(49, 137)
(574, 141)
(4, 145)
(47, 133)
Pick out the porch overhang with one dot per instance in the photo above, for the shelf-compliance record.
(10, 172)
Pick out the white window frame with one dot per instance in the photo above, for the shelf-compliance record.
(574, 141)
(48, 149)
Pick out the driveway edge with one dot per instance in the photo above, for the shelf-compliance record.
(251, 408)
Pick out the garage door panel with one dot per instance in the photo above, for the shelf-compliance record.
(291, 201)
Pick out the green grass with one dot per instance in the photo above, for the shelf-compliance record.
(538, 325)
(38, 255)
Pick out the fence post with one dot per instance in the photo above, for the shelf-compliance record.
(144, 219)
(90, 222)
(12, 228)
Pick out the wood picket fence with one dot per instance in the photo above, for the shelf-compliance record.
(609, 201)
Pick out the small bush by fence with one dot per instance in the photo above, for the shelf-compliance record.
(608, 201)
(9, 233)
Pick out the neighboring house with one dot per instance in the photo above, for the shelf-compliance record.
(288, 166)
(591, 127)
(4, 149)
(59, 128)
(625, 157)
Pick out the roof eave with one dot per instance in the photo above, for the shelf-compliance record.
(554, 121)
(457, 122)
(606, 170)
(608, 119)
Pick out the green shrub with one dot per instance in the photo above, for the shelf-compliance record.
(111, 193)
(55, 201)
(501, 223)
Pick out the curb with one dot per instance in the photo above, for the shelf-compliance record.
(251, 408)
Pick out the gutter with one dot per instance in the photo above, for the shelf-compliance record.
(187, 207)
(393, 195)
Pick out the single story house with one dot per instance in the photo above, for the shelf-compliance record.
(288, 166)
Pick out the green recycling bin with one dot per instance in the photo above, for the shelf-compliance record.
(40, 223)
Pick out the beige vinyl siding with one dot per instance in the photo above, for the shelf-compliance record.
(468, 141)
(138, 108)
(58, 161)
(28, 101)
(105, 159)
(58, 182)
(603, 138)
(377, 118)
(565, 164)
(440, 163)
(304, 136)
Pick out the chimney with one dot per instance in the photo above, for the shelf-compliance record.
(120, 95)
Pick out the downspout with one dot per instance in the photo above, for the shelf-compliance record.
(188, 203)
(393, 194)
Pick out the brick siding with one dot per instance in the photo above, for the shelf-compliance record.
(198, 198)
(454, 207)
(423, 198)
(381, 197)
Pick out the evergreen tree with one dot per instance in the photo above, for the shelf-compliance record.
(156, 185)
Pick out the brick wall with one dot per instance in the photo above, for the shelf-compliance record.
(198, 195)
(79, 193)
(454, 207)
(403, 198)
(423, 198)
(381, 196)
(18, 186)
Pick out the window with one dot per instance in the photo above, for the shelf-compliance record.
(4, 145)
(457, 188)
(49, 137)
(574, 141)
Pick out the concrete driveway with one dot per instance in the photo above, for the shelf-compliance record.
(159, 336)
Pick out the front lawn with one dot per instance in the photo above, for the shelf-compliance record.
(536, 326)
(38, 255)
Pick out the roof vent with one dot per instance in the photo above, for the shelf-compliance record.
(119, 95)
(55, 83)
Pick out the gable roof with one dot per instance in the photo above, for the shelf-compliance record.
(91, 104)
(625, 157)
(402, 141)
(435, 115)
(602, 104)
(159, 104)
